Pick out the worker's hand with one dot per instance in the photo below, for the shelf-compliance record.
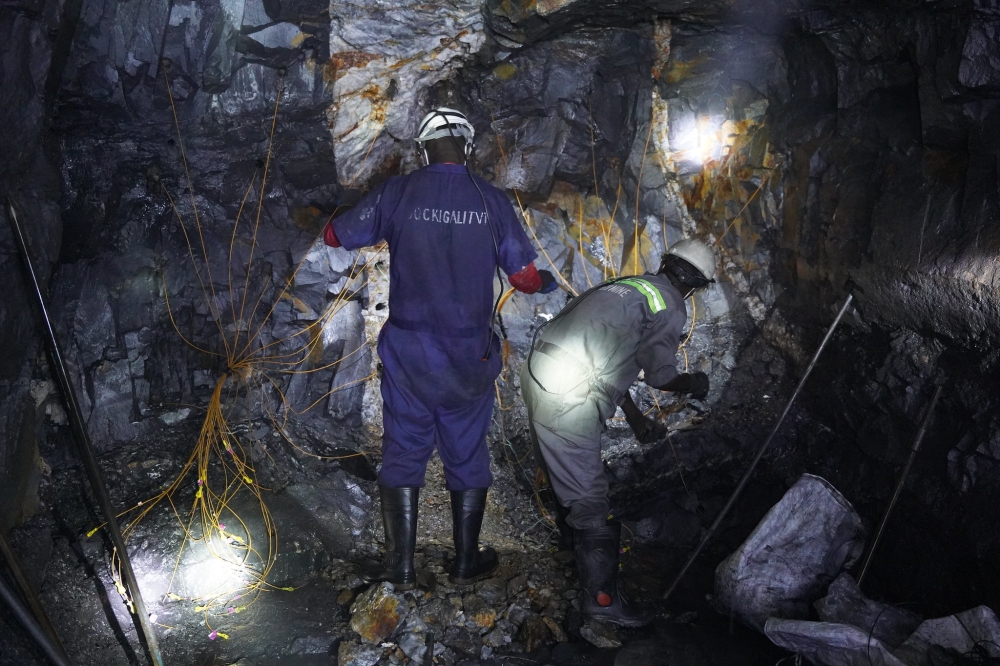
(646, 430)
(699, 386)
(549, 283)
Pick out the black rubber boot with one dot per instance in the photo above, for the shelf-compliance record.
(472, 561)
(596, 552)
(399, 516)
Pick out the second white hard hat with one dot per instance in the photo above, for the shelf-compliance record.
(698, 254)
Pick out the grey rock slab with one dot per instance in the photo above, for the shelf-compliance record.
(438, 612)
(600, 634)
(376, 613)
(517, 584)
(560, 89)
(277, 36)
(414, 645)
(337, 503)
(351, 653)
(520, 23)
(478, 611)
(463, 641)
(496, 638)
(492, 590)
(93, 322)
(980, 66)
(111, 420)
(558, 633)
(345, 330)
(534, 633)
(311, 645)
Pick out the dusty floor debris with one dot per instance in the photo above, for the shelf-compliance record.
(527, 613)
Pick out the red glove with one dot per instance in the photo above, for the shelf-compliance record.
(527, 279)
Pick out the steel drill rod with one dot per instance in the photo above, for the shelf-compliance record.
(760, 452)
(54, 654)
(144, 626)
(28, 592)
(917, 441)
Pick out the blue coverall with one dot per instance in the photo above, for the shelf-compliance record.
(444, 247)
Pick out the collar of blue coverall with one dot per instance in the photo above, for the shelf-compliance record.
(446, 167)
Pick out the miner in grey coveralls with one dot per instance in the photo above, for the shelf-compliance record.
(579, 371)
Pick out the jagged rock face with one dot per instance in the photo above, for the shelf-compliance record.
(384, 57)
(516, 22)
(562, 109)
(136, 236)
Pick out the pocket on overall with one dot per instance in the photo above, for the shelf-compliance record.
(561, 395)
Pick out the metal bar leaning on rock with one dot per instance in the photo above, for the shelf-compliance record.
(760, 452)
(914, 448)
(144, 626)
(28, 592)
(51, 650)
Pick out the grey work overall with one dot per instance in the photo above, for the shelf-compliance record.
(580, 367)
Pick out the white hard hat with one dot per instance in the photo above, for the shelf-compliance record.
(698, 254)
(444, 122)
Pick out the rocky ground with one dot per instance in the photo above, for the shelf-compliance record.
(329, 527)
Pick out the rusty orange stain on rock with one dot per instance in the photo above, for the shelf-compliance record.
(485, 618)
(678, 70)
(375, 614)
(341, 61)
(379, 102)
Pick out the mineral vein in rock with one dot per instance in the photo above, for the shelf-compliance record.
(383, 57)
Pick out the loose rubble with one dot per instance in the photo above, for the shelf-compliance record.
(523, 608)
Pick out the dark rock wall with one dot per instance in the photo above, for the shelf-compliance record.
(516, 23)
(32, 40)
(125, 242)
(543, 100)
(892, 185)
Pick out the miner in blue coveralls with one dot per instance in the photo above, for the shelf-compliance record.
(448, 231)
